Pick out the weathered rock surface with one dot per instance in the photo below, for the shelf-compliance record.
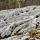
(16, 23)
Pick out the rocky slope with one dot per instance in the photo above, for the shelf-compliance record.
(17, 24)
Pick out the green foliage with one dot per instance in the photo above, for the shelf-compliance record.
(17, 3)
(8, 4)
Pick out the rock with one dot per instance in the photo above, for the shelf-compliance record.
(19, 21)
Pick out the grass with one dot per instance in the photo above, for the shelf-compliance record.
(11, 4)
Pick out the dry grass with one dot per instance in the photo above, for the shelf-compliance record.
(35, 33)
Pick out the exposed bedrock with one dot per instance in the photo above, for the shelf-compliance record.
(16, 23)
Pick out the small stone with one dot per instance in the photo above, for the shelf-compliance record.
(27, 39)
(37, 16)
(32, 39)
